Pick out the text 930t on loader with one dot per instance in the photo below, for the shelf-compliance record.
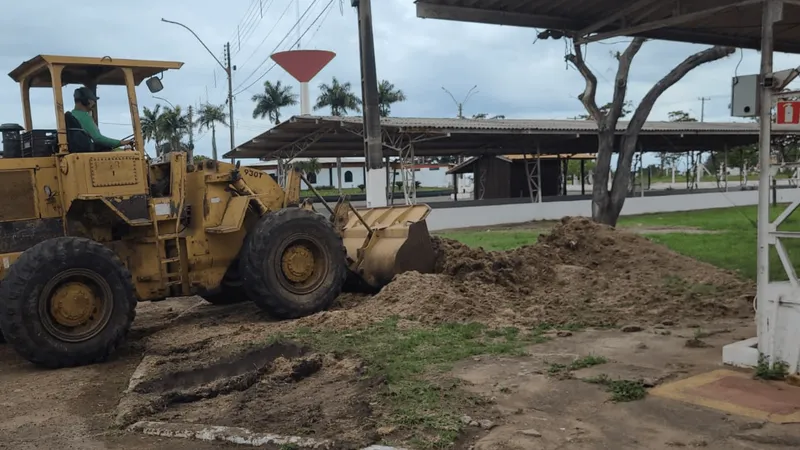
(86, 234)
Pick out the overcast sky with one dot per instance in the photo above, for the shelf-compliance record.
(516, 76)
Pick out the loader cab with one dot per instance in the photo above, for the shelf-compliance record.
(57, 72)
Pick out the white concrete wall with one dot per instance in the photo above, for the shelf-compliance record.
(470, 216)
(429, 177)
(426, 176)
(323, 177)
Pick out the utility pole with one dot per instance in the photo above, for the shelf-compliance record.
(189, 112)
(376, 181)
(460, 104)
(703, 107)
(228, 71)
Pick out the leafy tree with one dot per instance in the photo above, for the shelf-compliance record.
(275, 97)
(208, 116)
(388, 95)
(486, 116)
(150, 129)
(574, 167)
(172, 125)
(310, 165)
(607, 204)
(626, 109)
(338, 97)
(680, 116)
(667, 159)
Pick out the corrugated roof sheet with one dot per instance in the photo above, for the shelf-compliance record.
(330, 136)
(737, 26)
(540, 125)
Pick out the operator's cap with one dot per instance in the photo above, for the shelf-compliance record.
(84, 92)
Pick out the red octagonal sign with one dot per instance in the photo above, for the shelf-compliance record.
(303, 65)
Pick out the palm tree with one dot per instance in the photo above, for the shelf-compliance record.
(387, 95)
(150, 129)
(338, 97)
(310, 165)
(207, 117)
(173, 124)
(274, 98)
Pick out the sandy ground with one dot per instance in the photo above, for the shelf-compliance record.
(527, 408)
(536, 411)
(217, 365)
(73, 409)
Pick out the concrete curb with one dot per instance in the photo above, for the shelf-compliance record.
(235, 435)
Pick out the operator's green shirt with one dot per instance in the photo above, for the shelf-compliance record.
(87, 123)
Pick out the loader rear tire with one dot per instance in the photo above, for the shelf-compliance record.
(67, 301)
(294, 264)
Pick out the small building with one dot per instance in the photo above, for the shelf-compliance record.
(354, 173)
(517, 176)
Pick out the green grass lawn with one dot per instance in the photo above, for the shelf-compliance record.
(732, 246)
(419, 400)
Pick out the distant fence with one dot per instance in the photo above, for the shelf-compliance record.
(472, 216)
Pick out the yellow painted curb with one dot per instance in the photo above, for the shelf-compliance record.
(677, 391)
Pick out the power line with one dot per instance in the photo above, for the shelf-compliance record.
(277, 46)
(288, 5)
(238, 90)
(320, 25)
(248, 15)
(298, 40)
(247, 32)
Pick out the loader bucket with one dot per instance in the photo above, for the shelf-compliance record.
(394, 240)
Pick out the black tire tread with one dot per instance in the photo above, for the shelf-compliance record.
(13, 303)
(231, 294)
(259, 290)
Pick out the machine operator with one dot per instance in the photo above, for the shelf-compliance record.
(85, 101)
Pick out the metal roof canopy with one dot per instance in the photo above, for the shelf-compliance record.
(329, 136)
(735, 23)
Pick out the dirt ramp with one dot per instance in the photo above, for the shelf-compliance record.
(280, 388)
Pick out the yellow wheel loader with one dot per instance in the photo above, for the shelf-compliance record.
(86, 233)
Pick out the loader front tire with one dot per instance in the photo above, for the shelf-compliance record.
(294, 264)
(67, 301)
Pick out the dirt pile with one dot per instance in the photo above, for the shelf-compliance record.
(581, 272)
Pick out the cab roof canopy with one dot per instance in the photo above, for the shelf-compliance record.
(81, 70)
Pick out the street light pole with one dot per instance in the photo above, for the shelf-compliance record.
(230, 95)
(226, 67)
(164, 100)
(377, 189)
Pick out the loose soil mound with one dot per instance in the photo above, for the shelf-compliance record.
(582, 272)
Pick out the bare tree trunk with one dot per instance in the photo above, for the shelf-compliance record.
(607, 205)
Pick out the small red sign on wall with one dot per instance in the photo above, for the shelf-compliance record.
(788, 113)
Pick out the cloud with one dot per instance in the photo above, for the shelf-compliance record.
(515, 74)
